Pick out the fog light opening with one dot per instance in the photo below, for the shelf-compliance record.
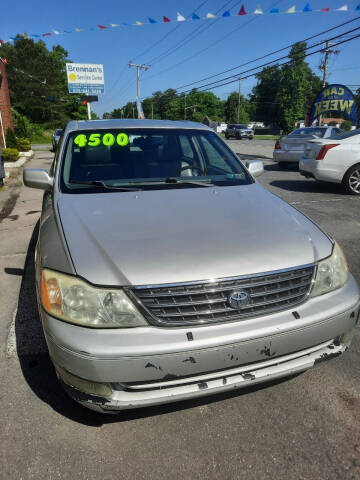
(85, 386)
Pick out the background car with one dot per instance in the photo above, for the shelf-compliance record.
(239, 131)
(336, 160)
(291, 148)
(56, 138)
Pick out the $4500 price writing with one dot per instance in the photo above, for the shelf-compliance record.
(96, 139)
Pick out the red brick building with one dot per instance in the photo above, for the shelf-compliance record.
(5, 105)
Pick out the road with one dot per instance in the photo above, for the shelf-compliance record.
(307, 427)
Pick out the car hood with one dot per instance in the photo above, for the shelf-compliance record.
(182, 235)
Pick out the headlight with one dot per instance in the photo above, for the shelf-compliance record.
(332, 273)
(75, 301)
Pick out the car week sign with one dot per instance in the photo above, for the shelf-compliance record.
(85, 78)
(334, 98)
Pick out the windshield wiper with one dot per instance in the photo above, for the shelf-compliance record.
(99, 183)
(203, 183)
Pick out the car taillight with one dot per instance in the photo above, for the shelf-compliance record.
(324, 149)
(277, 145)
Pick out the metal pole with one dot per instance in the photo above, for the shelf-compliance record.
(133, 111)
(2, 130)
(139, 67)
(185, 108)
(239, 102)
(152, 111)
(88, 104)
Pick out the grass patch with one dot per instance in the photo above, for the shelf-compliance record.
(266, 137)
(44, 138)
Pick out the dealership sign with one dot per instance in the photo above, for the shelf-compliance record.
(334, 98)
(85, 78)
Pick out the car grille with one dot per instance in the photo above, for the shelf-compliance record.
(208, 302)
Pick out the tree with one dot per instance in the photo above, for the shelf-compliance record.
(231, 108)
(38, 84)
(264, 95)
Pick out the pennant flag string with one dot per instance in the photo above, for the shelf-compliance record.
(193, 17)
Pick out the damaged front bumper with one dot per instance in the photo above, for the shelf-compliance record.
(110, 370)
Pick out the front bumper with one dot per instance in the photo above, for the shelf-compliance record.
(152, 365)
(287, 156)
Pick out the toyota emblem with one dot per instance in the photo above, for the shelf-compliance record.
(238, 299)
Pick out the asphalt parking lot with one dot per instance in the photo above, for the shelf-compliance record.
(306, 427)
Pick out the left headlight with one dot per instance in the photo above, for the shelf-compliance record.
(75, 301)
(332, 273)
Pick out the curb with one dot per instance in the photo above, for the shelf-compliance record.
(24, 157)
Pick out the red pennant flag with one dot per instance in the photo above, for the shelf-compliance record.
(1, 41)
(242, 10)
(46, 34)
(166, 19)
(325, 10)
(102, 27)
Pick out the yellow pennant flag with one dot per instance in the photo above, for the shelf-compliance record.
(210, 15)
(292, 9)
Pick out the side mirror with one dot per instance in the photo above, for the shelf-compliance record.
(37, 178)
(255, 167)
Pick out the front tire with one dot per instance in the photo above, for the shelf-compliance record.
(351, 180)
(250, 138)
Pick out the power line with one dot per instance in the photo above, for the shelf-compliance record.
(272, 61)
(260, 66)
(198, 31)
(212, 44)
(268, 54)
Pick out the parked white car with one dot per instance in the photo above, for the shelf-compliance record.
(336, 160)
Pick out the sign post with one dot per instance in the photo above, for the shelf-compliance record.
(87, 78)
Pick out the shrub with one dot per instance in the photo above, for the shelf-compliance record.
(11, 140)
(24, 144)
(23, 126)
(10, 154)
(346, 126)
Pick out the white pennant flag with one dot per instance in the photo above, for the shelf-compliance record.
(258, 10)
(180, 18)
(56, 32)
(292, 9)
(344, 8)
(210, 15)
(114, 25)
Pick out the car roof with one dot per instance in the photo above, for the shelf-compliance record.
(133, 123)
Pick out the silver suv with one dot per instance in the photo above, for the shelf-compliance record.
(239, 131)
(165, 271)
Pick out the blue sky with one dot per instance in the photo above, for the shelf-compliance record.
(247, 37)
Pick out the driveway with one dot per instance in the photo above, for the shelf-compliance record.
(306, 427)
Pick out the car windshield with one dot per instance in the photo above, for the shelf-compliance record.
(148, 159)
(342, 136)
(242, 126)
(319, 132)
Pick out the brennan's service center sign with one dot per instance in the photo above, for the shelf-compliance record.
(334, 98)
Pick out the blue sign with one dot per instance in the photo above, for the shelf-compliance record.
(86, 88)
(335, 98)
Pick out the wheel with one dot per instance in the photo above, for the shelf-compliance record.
(250, 138)
(351, 180)
(227, 136)
(238, 136)
(283, 165)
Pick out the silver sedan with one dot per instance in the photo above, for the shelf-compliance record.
(291, 148)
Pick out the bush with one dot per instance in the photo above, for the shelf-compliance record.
(23, 126)
(346, 126)
(11, 140)
(10, 154)
(24, 144)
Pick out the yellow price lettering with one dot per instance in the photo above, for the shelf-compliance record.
(80, 140)
(94, 140)
(122, 139)
(108, 139)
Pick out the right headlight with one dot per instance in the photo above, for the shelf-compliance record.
(75, 301)
(332, 273)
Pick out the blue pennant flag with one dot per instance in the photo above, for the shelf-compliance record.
(34, 35)
(226, 14)
(195, 17)
(307, 8)
(151, 20)
(274, 10)
(358, 7)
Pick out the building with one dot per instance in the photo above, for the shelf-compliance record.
(6, 119)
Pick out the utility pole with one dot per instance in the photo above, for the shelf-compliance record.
(138, 70)
(239, 102)
(324, 65)
(133, 110)
(185, 108)
(152, 111)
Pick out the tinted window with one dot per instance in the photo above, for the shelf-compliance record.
(319, 132)
(344, 135)
(146, 156)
